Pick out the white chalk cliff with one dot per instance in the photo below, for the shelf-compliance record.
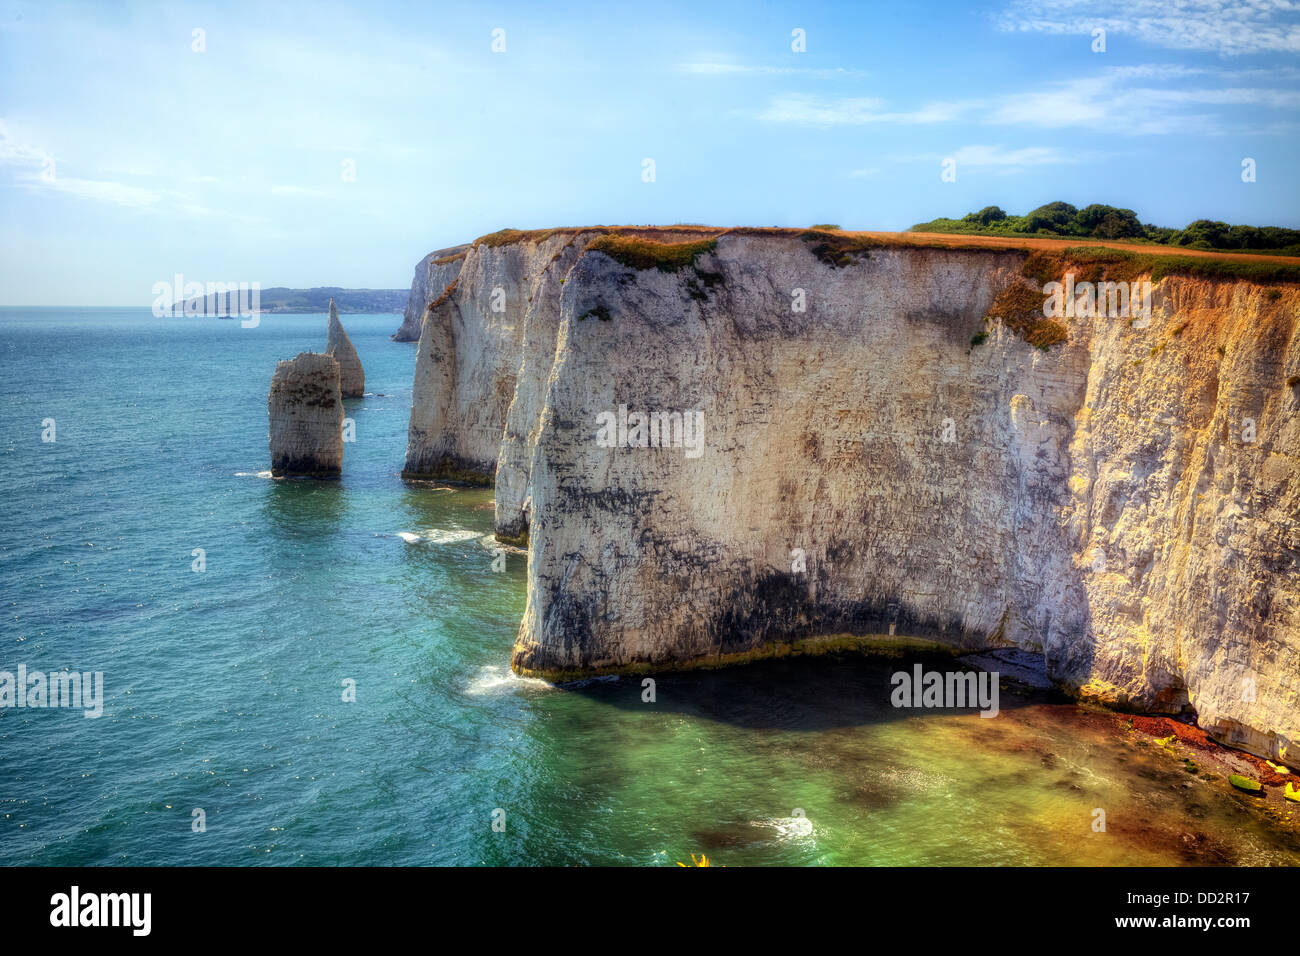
(1123, 499)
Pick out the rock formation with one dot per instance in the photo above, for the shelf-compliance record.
(891, 450)
(306, 417)
(434, 273)
(352, 377)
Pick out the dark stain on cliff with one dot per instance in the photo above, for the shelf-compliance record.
(619, 501)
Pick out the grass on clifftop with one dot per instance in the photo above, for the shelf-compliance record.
(504, 237)
(637, 253)
(1093, 264)
(641, 247)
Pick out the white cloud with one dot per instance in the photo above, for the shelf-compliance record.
(803, 109)
(294, 191)
(1002, 159)
(1108, 101)
(985, 157)
(1146, 99)
(1214, 26)
(101, 190)
(724, 68)
(15, 151)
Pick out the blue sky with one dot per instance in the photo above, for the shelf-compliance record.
(228, 164)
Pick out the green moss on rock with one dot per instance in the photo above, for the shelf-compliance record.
(1246, 784)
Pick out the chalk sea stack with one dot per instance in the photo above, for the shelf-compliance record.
(352, 378)
(306, 417)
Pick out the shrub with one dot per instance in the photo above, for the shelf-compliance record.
(1099, 221)
(1020, 307)
(838, 249)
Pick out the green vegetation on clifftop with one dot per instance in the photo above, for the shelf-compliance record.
(1060, 220)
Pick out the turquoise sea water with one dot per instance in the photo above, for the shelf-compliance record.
(224, 688)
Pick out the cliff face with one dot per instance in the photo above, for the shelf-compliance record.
(352, 378)
(305, 409)
(1186, 475)
(487, 347)
(433, 274)
(1124, 501)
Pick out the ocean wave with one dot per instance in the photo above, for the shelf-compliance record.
(788, 829)
(449, 535)
(252, 474)
(495, 679)
(438, 536)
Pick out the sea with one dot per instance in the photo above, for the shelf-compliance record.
(317, 673)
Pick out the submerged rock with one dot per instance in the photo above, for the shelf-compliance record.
(352, 378)
(306, 417)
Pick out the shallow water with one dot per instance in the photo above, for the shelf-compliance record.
(223, 688)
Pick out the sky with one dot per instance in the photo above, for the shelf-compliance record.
(337, 144)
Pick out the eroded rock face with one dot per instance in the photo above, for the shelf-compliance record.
(866, 470)
(502, 308)
(306, 417)
(1186, 477)
(352, 378)
(433, 274)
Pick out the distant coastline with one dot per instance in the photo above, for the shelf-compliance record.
(279, 299)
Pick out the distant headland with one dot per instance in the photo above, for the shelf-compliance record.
(283, 300)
